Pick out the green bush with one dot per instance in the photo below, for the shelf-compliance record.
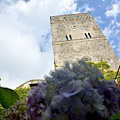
(7, 98)
(22, 92)
(104, 67)
(18, 110)
(1, 109)
(116, 117)
(15, 112)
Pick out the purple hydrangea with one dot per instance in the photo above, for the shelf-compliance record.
(76, 92)
(35, 100)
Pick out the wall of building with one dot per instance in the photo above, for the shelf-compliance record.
(78, 36)
(30, 82)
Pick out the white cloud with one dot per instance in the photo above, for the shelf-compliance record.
(22, 27)
(86, 8)
(98, 20)
(118, 47)
(111, 30)
(108, 31)
(117, 31)
(113, 10)
(118, 24)
(112, 44)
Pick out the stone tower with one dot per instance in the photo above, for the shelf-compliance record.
(78, 36)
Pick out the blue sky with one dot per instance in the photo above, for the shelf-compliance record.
(25, 34)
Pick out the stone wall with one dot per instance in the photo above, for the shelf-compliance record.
(78, 36)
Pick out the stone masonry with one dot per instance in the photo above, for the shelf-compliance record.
(78, 36)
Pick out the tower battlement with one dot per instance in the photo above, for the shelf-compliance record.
(70, 18)
(78, 36)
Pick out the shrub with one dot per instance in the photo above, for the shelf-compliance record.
(7, 98)
(23, 92)
(16, 111)
(105, 68)
(79, 92)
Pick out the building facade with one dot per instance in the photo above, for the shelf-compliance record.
(78, 36)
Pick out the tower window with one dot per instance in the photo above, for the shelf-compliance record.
(70, 37)
(66, 37)
(86, 35)
(89, 35)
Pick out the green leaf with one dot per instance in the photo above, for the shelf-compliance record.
(22, 92)
(1, 109)
(7, 97)
(116, 117)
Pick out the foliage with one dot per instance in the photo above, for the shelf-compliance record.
(116, 117)
(0, 80)
(102, 65)
(22, 92)
(7, 97)
(1, 109)
(118, 77)
(1, 106)
(109, 75)
(15, 112)
(79, 92)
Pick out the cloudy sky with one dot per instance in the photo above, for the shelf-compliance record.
(25, 34)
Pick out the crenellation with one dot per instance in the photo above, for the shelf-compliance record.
(70, 18)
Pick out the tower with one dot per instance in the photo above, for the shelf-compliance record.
(78, 36)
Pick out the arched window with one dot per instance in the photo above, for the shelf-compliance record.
(70, 37)
(66, 37)
(89, 35)
(86, 35)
